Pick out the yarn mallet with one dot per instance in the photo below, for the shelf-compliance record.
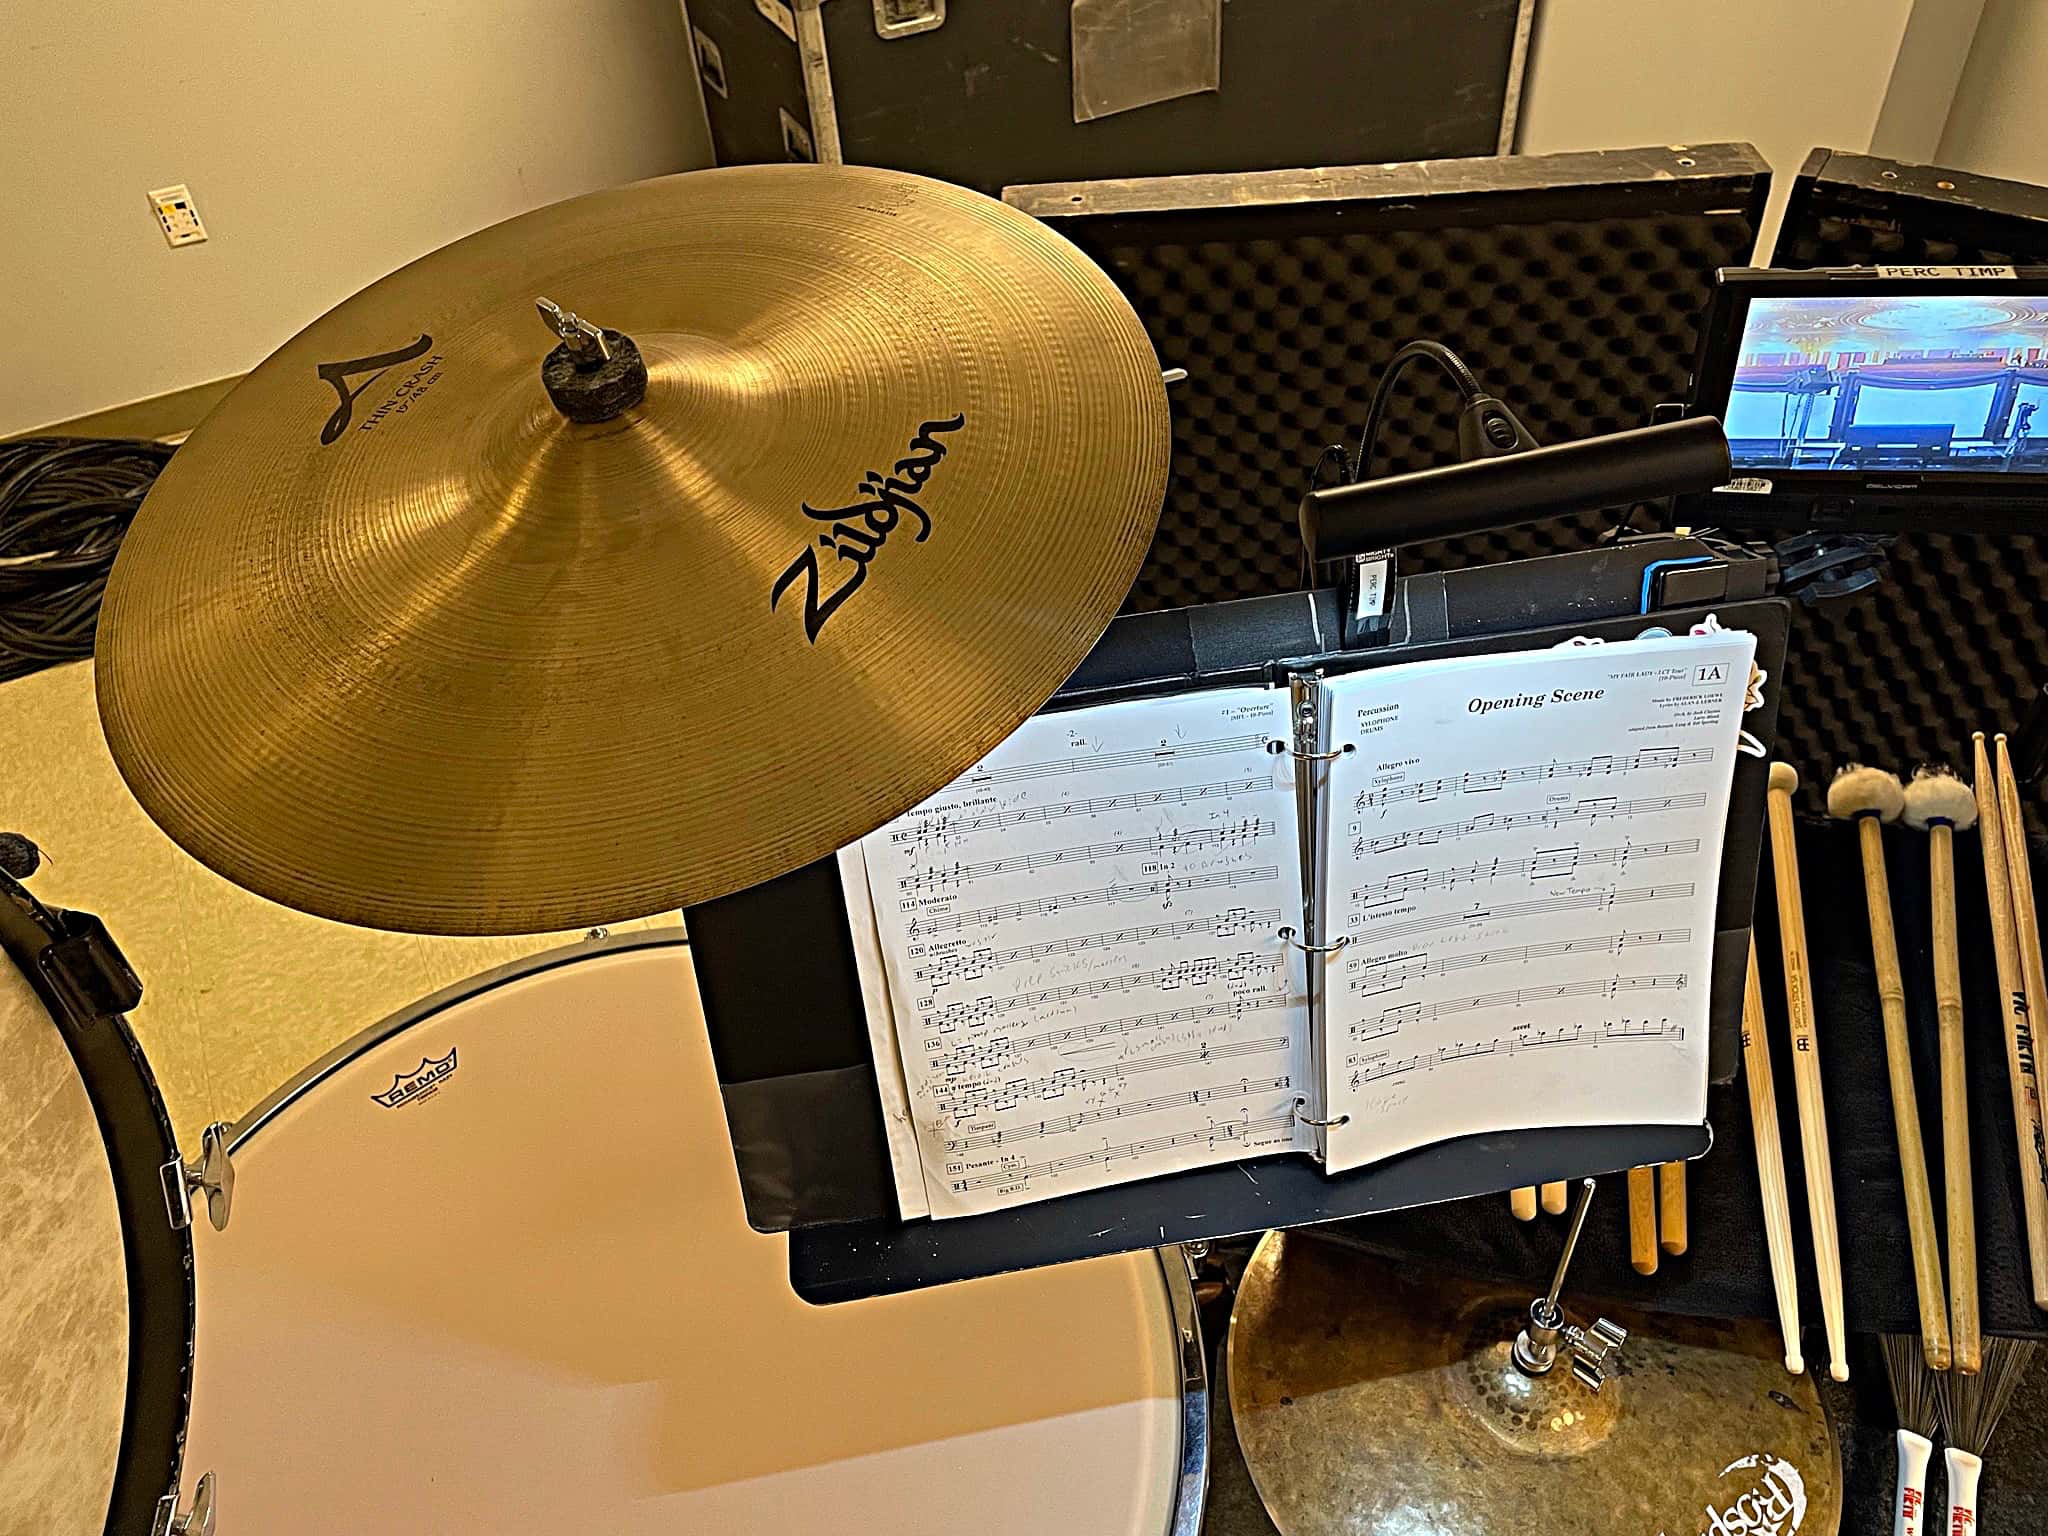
(1871, 797)
(1940, 804)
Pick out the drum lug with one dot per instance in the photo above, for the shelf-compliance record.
(196, 1521)
(214, 1173)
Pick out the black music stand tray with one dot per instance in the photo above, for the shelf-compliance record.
(789, 1036)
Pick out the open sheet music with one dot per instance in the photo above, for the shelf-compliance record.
(1408, 904)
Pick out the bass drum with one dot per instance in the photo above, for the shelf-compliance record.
(487, 1269)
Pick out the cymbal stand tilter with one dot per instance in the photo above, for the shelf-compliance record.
(1594, 1351)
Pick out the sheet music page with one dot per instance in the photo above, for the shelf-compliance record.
(904, 1163)
(1082, 945)
(1523, 857)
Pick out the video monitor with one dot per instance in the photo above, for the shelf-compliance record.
(1874, 397)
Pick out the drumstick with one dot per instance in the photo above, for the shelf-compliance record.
(1671, 1207)
(1522, 1202)
(1642, 1221)
(1554, 1198)
(1770, 1163)
(1813, 1120)
(2019, 1035)
(1940, 804)
(1869, 796)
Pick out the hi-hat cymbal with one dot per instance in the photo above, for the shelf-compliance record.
(1371, 1400)
(395, 641)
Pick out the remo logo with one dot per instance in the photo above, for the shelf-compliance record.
(1770, 1501)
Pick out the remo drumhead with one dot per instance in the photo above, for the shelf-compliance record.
(63, 1296)
(95, 1283)
(488, 1270)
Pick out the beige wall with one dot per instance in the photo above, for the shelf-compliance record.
(1785, 75)
(325, 144)
(1998, 125)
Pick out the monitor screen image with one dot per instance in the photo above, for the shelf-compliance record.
(1892, 382)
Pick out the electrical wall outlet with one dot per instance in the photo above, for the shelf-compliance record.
(178, 214)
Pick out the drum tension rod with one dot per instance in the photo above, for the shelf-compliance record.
(214, 1173)
(1595, 1351)
(196, 1521)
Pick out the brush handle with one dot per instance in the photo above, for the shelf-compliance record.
(1642, 1221)
(1813, 1119)
(1555, 1198)
(1963, 1471)
(1770, 1163)
(1671, 1207)
(1522, 1202)
(1898, 1055)
(2009, 891)
(1964, 1333)
(1910, 1504)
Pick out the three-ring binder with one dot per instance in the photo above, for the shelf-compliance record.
(1287, 935)
(1312, 757)
(1301, 1103)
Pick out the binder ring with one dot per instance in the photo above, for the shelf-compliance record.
(1277, 747)
(1315, 949)
(1300, 1104)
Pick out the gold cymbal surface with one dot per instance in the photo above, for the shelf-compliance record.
(393, 641)
(1371, 1399)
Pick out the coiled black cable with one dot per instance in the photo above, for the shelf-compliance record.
(65, 503)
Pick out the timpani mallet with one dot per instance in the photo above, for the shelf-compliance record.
(1813, 1120)
(1770, 1163)
(1940, 804)
(2019, 1034)
(1868, 797)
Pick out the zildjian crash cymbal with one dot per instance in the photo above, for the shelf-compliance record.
(430, 627)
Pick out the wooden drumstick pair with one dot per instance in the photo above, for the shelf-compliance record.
(1523, 1201)
(2016, 945)
(1656, 1214)
(1813, 1125)
(1869, 797)
(1940, 804)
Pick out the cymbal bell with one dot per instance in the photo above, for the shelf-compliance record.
(1374, 1400)
(395, 641)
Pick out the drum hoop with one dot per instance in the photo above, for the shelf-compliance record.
(135, 1131)
(1191, 1473)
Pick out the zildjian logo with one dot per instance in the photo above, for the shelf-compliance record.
(860, 530)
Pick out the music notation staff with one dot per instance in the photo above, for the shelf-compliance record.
(1228, 1131)
(925, 924)
(964, 1100)
(1593, 809)
(1182, 840)
(1533, 773)
(975, 964)
(1387, 973)
(1139, 757)
(1029, 1131)
(1510, 1045)
(1544, 864)
(932, 829)
(1598, 986)
(1564, 901)
(1182, 973)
